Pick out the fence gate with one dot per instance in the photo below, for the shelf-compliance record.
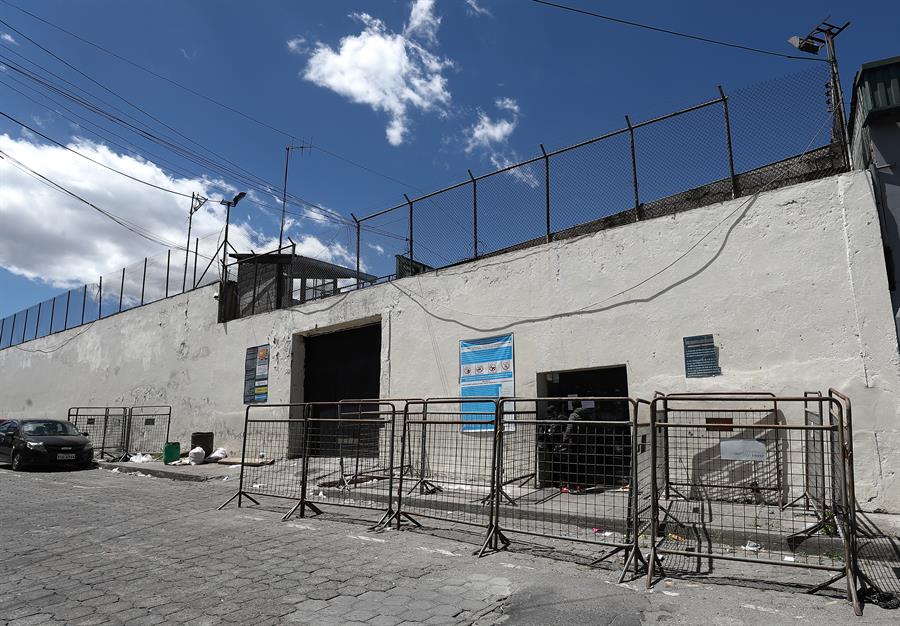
(106, 426)
(752, 478)
(568, 469)
(447, 464)
(339, 454)
(148, 429)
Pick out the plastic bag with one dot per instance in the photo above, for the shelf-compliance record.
(196, 456)
(140, 458)
(220, 453)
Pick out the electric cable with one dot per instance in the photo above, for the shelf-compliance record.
(203, 96)
(671, 32)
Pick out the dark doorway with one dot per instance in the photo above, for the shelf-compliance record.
(343, 365)
(582, 452)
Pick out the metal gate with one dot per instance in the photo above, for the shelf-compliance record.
(106, 427)
(339, 454)
(148, 429)
(447, 464)
(572, 473)
(752, 478)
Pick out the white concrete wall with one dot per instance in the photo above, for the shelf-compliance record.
(791, 283)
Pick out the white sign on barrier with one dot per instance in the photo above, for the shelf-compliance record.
(742, 450)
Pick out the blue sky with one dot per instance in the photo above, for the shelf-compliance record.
(416, 91)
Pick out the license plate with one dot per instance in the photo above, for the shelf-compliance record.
(65, 456)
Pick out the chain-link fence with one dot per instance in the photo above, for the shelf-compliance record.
(777, 133)
(769, 135)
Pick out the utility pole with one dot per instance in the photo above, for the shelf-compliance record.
(197, 201)
(824, 35)
(287, 160)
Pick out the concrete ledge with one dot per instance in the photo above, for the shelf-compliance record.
(195, 473)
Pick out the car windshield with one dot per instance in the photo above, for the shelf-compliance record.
(48, 428)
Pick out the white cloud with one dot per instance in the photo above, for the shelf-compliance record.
(474, 9)
(50, 237)
(297, 45)
(376, 248)
(489, 133)
(8, 39)
(526, 174)
(390, 72)
(422, 21)
(507, 104)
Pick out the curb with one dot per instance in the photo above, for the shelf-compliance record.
(159, 472)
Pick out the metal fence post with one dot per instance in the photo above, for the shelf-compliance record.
(168, 264)
(547, 188)
(144, 281)
(37, 325)
(409, 202)
(52, 315)
(474, 215)
(634, 174)
(196, 253)
(290, 291)
(122, 290)
(2, 324)
(66, 318)
(255, 282)
(357, 249)
(83, 304)
(100, 299)
(735, 192)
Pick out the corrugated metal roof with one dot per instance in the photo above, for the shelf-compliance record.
(877, 87)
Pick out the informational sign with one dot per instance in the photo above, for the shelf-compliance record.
(256, 374)
(700, 357)
(486, 369)
(742, 450)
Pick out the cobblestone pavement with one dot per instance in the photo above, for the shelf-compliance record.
(97, 547)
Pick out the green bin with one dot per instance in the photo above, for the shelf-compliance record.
(172, 451)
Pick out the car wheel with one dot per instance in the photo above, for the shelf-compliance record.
(16, 462)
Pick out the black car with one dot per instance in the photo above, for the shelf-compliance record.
(31, 442)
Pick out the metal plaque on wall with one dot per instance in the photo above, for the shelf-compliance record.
(700, 357)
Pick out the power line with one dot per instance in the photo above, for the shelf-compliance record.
(201, 95)
(185, 152)
(669, 32)
(84, 156)
(121, 221)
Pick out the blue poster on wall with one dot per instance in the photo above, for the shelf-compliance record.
(486, 370)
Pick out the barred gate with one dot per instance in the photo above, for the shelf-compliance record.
(106, 426)
(319, 454)
(729, 476)
(575, 478)
(447, 461)
(148, 429)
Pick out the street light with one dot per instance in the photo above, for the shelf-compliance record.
(823, 35)
(228, 205)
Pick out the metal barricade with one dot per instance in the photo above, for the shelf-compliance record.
(106, 426)
(349, 458)
(326, 453)
(728, 476)
(148, 429)
(272, 453)
(447, 464)
(567, 469)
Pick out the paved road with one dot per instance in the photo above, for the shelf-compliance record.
(97, 547)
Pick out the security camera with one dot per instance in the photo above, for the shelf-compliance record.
(216, 296)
